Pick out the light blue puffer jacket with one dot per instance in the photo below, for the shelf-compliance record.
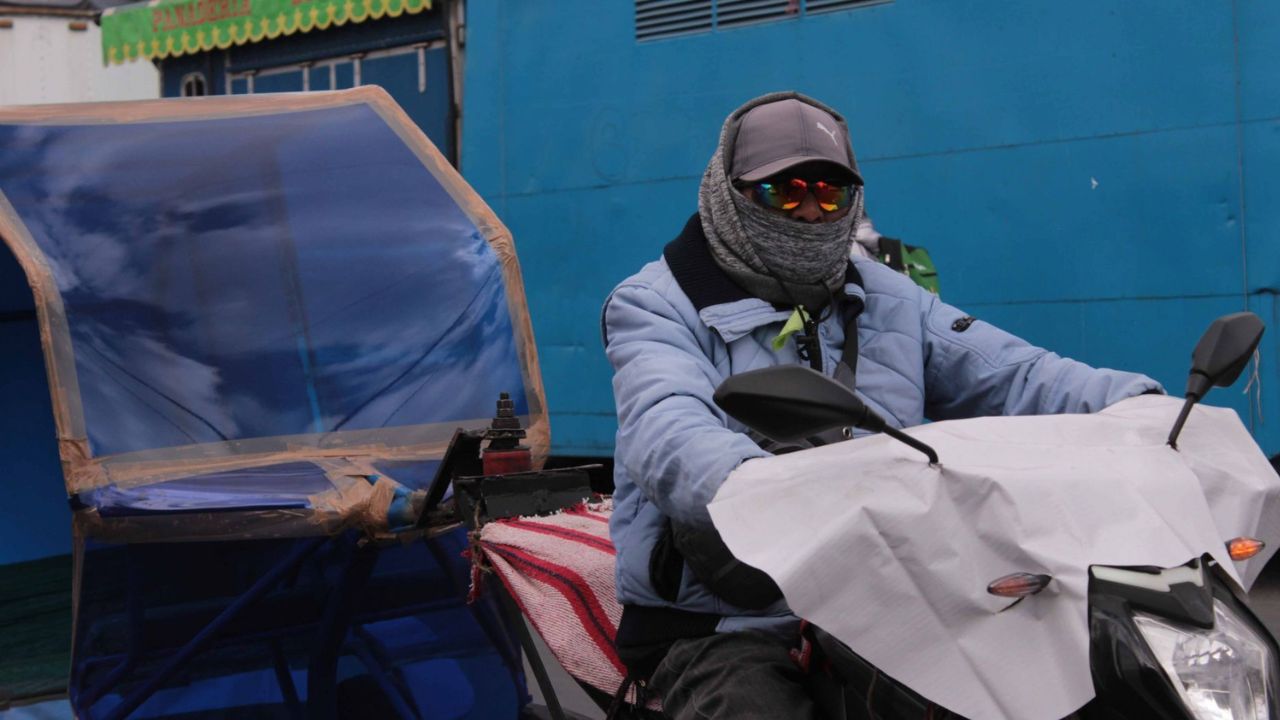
(679, 327)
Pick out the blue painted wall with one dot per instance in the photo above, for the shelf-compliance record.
(35, 520)
(1098, 177)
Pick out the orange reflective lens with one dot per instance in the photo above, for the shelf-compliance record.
(1243, 548)
(788, 193)
(1019, 585)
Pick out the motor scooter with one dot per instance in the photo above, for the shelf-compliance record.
(1163, 642)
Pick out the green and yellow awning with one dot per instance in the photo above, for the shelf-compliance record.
(168, 28)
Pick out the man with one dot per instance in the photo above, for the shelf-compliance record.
(762, 275)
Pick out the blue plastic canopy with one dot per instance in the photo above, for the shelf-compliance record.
(239, 282)
(262, 319)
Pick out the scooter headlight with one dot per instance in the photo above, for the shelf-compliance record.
(1221, 674)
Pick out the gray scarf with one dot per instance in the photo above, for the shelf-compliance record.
(769, 255)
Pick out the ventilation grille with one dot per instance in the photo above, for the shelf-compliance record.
(668, 18)
(732, 13)
(656, 19)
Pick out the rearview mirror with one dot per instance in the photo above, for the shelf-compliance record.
(1223, 351)
(791, 402)
(1219, 358)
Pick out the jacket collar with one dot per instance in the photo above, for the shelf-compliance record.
(689, 257)
(721, 303)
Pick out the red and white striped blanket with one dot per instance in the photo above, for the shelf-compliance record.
(559, 569)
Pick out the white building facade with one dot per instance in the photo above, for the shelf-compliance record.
(51, 52)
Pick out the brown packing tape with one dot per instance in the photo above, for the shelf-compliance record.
(180, 109)
(80, 478)
(152, 467)
(415, 442)
(78, 469)
(364, 505)
(55, 339)
(371, 515)
(539, 431)
(499, 238)
(346, 467)
(539, 440)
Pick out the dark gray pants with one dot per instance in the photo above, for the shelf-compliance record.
(736, 676)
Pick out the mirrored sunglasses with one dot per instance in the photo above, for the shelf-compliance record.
(788, 193)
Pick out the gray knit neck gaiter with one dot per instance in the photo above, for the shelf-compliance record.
(768, 254)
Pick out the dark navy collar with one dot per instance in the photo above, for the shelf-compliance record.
(689, 257)
(701, 279)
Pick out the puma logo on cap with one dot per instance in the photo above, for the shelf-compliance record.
(830, 133)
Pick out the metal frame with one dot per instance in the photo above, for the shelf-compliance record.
(337, 635)
(199, 642)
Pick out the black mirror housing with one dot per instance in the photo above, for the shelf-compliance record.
(1219, 358)
(1223, 352)
(790, 402)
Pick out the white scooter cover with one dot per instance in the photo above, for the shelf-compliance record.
(893, 556)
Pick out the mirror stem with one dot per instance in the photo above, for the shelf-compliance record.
(907, 439)
(1182, 419)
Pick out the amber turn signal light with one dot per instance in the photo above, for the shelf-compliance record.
(1243, 548)
(1019, 585)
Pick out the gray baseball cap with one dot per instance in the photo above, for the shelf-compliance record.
(780, 135)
